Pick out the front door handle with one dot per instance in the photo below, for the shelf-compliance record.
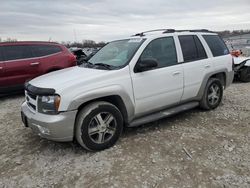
(176, 73)
(1, 68)
(34, 64)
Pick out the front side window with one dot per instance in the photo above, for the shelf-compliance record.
(117, 53)
(216, 45)
(16, 52)
(163, 50)
(44, 50)
(192, 48)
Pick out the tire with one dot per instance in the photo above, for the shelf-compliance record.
(245, 74)
(98, 126)
(212, 95)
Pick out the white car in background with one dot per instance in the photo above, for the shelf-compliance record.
(242, 68)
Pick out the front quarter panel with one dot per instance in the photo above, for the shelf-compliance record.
(104, 92)
(117, 82)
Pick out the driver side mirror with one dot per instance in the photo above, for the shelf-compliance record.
(145, 65)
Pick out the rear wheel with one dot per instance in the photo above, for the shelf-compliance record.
(212, 95)
(98, 126)
(245, 74)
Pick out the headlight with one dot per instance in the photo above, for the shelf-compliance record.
(49, 104)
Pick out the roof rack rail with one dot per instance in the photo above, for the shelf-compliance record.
(171, 31)
(194, 30)
(150, 31)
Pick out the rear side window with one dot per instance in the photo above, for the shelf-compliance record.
(44, 50)
(192, 48)
(216, 45)
(16, 52)
(1, 54)
(163, 50)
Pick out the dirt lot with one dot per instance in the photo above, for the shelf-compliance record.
(149, 156)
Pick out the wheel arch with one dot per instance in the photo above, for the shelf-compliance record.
(113, 99)
(222, 75)
(52, 69)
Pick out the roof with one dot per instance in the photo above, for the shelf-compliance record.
(27, 42)
(157, 33)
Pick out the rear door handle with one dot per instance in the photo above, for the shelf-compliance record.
(34, 64)
(1, 68)
(207, 66)
(176, 73)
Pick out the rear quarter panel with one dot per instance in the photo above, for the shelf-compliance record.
(57, 61)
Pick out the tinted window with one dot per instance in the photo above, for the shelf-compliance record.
(201, 54)
(163, 50)
(16, 52)
(1, 53)
(216, 45)
(43, 50)
(192, 48)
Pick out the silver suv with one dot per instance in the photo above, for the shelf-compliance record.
(129, 82)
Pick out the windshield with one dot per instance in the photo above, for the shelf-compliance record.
(118, 53)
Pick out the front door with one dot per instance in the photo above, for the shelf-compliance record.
(162, 86)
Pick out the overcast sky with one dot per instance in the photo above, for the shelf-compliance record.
(105, 20)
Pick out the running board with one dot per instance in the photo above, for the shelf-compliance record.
(163, 114)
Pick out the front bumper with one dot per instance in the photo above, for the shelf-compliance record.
(58, 127)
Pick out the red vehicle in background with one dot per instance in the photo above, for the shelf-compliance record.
(23, 61)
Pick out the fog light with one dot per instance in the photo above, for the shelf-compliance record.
(43, 130)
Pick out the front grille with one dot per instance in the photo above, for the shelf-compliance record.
(32, 106)
(31, 95)
(31, 100)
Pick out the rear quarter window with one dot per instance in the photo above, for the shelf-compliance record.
(216, 45)
(44, 50)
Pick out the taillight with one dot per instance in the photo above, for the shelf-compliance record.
(72, 59)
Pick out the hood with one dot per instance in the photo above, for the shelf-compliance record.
(68, 77)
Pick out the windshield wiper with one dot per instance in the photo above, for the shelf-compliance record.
(86, 63)
(107, 66)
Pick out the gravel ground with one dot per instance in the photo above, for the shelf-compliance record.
(192, 149)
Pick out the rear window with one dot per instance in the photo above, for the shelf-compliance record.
(15, 52)
(216, 45)
(192, 48)
(44, 50)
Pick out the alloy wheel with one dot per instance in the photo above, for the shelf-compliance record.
(214, 94)
(102, 127)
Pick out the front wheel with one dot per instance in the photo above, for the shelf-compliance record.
(98, 126)
(212, 95)
(245, 74)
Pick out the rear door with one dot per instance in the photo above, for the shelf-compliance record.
(48, 57)
(20, 65)
(195, 64)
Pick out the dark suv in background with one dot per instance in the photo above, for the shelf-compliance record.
(22, 61)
